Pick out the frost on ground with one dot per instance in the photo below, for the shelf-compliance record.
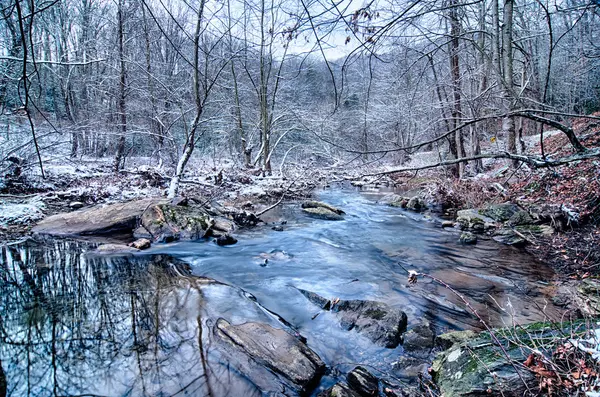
(21, 213)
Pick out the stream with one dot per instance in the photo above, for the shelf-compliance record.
(74, 323)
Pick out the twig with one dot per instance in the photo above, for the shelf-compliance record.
(280, 199)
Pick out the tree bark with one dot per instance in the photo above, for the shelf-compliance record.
(263, 96)
(456, 89)
(121, 108)
(508, 124)
(190, 142)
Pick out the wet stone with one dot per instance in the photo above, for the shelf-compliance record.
(339, 390)
(381, 323)
(115, 249)
(363, 382)
(287, 358)
(141, 244)
(323, 213)
(225, 239)
(416, 204)
(76, 205)
(467, 238)
(419, 340)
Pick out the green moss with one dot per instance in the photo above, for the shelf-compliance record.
(376, 314)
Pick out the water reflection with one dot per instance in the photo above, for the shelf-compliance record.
(73, 324)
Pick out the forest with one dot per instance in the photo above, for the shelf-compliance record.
(434, 167)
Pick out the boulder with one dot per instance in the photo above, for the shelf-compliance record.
(115, 249)
(321, 210)
(221, 226)
(140, 244)
(98, 220)
(445, 341)
(410, 367)
(363, 382)
(225, 240)
(76, 205)
(379, 322)
(323, 213)
(471, 219)
(401, 202)
(339, 390)
(318, 204)
(416, 204)
(467, 238)
(164, 223)
(447, 224)
(521, 235)
(507, 236)
(294, 365)
(382, 324)
(419, 340)
(476, 367)
(520, 218)
(500, 212)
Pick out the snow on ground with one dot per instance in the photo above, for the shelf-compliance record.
(24, 212)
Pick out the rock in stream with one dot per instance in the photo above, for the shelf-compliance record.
(379, 322)
(317, 209)
(254, 347)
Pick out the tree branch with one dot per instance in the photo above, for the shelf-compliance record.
(535, 162)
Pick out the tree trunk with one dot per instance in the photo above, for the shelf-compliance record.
(508, 124)
(456, 88)
(155, 128)
(263, 97)
(122, 115)
(190, 142)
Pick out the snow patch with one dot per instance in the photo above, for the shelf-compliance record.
(22, 213)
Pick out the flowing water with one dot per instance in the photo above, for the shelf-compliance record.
(72, 323)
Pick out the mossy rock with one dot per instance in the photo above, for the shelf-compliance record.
(472, 219)
(447, 340)
(500, 212)
(323, 213)
(520, 218)
(416, 204)
(535, 230)
(402, 202)
(474, 365)
(319, 204)
(467, 238)
(165, 223)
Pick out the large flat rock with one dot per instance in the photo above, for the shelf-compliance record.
(98, 220)
(289, 361)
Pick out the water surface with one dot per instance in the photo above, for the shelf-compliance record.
(77, 324)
